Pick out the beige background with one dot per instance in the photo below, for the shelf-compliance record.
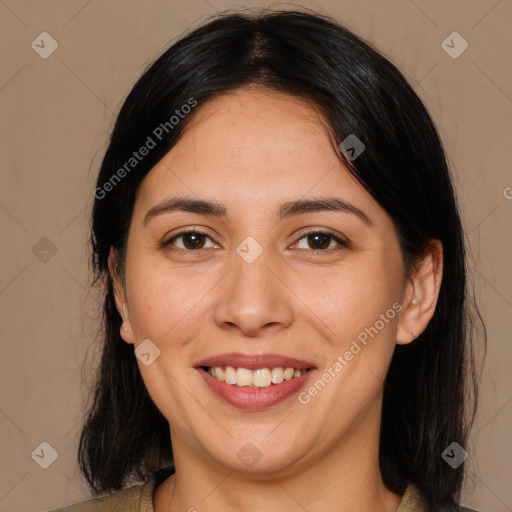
(56, 116)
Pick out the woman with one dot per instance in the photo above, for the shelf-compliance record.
(284, 266)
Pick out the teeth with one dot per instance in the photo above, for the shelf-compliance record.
(243, 377)
(230, 375)
(289, 373)
(277, 375)
(219, 373)
(260, 378)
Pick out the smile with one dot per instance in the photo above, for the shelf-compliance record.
(254, 381)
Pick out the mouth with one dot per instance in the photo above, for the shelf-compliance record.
(254, 381)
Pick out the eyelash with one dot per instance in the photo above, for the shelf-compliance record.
(343, 244)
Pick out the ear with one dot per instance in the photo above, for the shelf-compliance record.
(120, 298)
(422, 288)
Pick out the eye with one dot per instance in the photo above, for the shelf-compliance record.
(321, 240)
(192, 240)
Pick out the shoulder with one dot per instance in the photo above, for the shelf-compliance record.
(413, 501)
(138, 498)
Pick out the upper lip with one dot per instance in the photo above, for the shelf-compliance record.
(254, 361)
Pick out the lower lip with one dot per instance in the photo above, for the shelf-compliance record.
(255, 398)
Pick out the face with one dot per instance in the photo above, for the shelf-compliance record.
(261, 286)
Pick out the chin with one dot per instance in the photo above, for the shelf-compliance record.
(258, 452)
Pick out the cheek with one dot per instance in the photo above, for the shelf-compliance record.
(162, 300)
(166, 308)
(351, 299)
(358, 313)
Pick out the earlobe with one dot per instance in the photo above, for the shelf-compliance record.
(120, 299)
(126, 332)
(422, 292)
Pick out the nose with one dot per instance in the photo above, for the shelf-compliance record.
(253, 300)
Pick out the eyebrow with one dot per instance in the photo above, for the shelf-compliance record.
(287, 209)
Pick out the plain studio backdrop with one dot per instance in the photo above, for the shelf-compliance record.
(65, 68)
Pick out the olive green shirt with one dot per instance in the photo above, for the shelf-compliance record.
(139, 498)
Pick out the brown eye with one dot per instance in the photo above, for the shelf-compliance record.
(191, 240)
(321, 241)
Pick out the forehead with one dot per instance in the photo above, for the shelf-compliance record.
(250, 148)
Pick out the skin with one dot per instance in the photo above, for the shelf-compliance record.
(252, 150)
